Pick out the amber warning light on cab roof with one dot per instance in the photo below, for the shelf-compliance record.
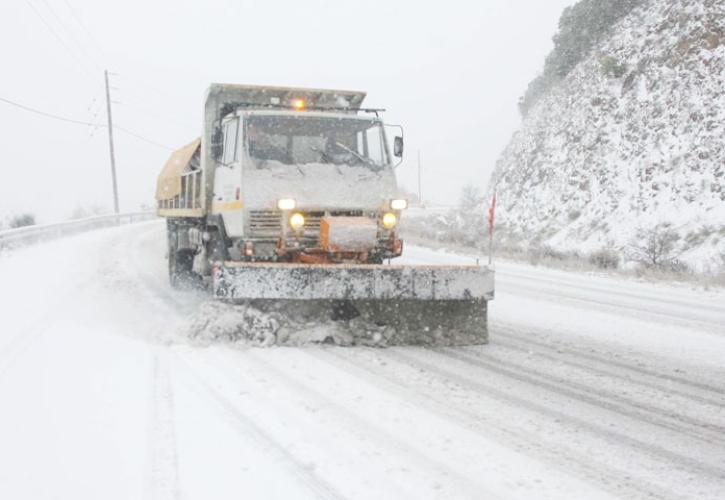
(298, 104)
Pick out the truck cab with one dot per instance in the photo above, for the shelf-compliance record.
(306, 185)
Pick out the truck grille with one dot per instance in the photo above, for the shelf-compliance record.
(267, 223)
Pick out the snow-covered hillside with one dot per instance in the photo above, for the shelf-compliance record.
(631, 140)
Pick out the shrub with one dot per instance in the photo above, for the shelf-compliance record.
(655, 247)
(604, 259)
(574, 215)
(545, 253)
(22, 220)
(678, 267)
(612, 68)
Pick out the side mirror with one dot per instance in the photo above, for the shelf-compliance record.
(398, 147)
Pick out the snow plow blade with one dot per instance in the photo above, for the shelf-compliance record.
(418, 305)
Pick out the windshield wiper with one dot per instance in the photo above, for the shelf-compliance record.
(330, 159)
(357, 155)
(323, 154)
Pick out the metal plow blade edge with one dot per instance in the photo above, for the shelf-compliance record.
(379, 304)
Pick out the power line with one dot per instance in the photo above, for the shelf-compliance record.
(78, 20)
(79, 122)
(143, 83)
(144, 107)
(49, 115)
(133, 87)
(137, 136)
(70, 33)
(58, 37)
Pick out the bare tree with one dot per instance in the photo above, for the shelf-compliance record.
(471, 197)
(655, 247)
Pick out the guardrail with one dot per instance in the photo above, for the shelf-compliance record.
(28, 235)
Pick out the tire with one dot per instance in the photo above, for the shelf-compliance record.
(181, 274)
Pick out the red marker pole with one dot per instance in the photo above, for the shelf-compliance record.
(491, 215)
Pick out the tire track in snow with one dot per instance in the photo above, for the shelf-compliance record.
(164, 460)
(619, 482)
(649, 298)
(608, 306)
(164, 478)
(165, 298)
(558, 348)
(159, 293)
(706, 432)
(267, 444)
(569, 359)
(599, 429)
(356, 422)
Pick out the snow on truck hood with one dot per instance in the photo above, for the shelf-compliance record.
(317, 185)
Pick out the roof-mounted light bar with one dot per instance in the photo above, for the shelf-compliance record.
(301, 105)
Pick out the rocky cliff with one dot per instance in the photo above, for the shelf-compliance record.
(630, 146)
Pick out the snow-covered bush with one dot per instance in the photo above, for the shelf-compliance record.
(605, 259)
(612, 68)
(656, 247)
(22, 220)
(541, 254)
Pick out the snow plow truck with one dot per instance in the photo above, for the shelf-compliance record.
(289, 201)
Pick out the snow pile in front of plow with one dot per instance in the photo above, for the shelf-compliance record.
(299, 325)
(242, 323)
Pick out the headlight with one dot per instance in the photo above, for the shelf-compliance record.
(297, 221)
(399, 204)
(389, 220)
(286, 204)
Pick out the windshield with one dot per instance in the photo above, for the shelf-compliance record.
(299, 140)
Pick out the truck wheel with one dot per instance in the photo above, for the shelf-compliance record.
(181, 274)
(375, 260)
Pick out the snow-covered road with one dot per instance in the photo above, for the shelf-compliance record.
(592, 387)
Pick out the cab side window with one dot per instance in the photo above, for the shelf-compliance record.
(374, 143)
(230, 142)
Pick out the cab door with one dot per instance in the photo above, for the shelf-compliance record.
(227, 200)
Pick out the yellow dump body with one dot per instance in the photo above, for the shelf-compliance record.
(179, 185)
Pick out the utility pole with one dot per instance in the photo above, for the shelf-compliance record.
(420, 195)
(110, 144)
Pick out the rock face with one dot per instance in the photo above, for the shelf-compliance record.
(631, 140)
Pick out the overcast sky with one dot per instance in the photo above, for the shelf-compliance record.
(449, 72)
